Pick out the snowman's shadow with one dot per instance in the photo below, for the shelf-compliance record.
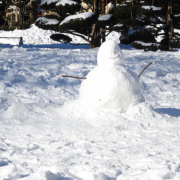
(170, 111)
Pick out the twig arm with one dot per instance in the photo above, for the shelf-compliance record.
(74, 77)
(144, 69)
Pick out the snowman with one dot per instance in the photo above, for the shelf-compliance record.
(110, 85)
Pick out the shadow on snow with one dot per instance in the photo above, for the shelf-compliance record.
(170, 111)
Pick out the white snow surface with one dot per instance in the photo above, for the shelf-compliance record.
(48, 1)
(110, 6)
(83, 15)
(64, 2)
(146, 44)
(177, 15)
(118, 25)
(35, 36)
(46, 134)
(105, 17)
(47, 21)
(154, 8)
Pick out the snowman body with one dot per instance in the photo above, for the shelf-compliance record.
(110, 85)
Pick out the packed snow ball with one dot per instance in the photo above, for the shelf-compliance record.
(109, 54)
(110, 85)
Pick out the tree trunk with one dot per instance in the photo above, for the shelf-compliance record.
(103, 4)
(103, 36)
(131, 11)
(96, 40)
(153, 2)
(169, 24)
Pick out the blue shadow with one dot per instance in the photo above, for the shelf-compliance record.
(170, 111)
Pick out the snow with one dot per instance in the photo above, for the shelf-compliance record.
(46, 134)
(49, 1)
(146, 44)
(34, 36)
(118, 25)
(110, 85)
(64, 2)
(47, 21)
(110, 6)
(154, 8)
(123, 5)
(105, 17)
(109, 54)
(84, 15)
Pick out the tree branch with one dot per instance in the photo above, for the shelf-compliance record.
(144, 69)
(87, 40)
(74, 77)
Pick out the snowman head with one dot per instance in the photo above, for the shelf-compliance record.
(109, 54)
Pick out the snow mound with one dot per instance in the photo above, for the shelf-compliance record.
(105, 17)
(152, 174)
(47, 21)
(109, 54)
(83, 15)
(9, 172)
(16, 109)
(64, 2)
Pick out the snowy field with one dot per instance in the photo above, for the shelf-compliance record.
(46, 134)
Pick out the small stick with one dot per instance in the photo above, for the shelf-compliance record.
(74, 77)
(144, 69)
(86, 77)
(117, 166)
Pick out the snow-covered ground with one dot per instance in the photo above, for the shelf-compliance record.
(36, 36)
(46, 134)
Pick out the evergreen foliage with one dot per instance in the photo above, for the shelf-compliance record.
(145, 21)
(75, 20)
(25, 12)
(136, 20)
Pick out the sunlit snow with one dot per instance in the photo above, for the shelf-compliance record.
(46, 134)
(83, 15)
(105, 17)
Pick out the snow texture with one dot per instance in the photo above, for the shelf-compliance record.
(45, 134)
(64, 2)
(146, 44)
(118, 25)
(154, 8)
(47, 21)
(110, 85)
(109, 54)
(105, 17)
(110, 6)
(49, 1)
(84, 15)
(177, 15)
